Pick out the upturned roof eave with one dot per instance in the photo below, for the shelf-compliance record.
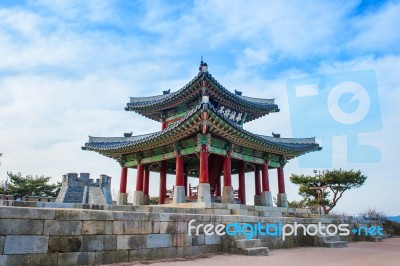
(297, 147)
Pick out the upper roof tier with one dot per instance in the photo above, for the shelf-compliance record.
(157, 107)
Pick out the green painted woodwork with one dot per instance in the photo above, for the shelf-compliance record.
(247, 158)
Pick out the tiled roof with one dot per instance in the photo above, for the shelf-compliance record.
(189, 125)
(152, 106)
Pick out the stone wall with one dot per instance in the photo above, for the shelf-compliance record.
(57, 236)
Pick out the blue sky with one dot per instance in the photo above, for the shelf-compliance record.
(67, 69)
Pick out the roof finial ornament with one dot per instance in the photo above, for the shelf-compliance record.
(128, 134)
(239, 93)
(203, 66)
(276, 135)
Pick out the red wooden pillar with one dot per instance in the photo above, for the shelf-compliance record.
(203, 176)
(146, 181)
(257, 181)
(281, 180)
(163, 182)
(124, 178)
(265, 178)
(163, 125)
(227, 172)
(242, 183)
(139, 177)
(180, 181)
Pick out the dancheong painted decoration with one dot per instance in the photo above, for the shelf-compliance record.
(202, 136)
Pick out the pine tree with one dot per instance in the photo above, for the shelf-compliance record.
(333, 184)
(30, 186)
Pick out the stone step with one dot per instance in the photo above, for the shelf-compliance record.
(257, 251)
(335, 244)
(271, 214)
(252, 243)
(240, 234)
(376, 239)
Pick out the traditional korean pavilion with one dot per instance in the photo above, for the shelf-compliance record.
(202, 136)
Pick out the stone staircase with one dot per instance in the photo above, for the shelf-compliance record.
(329, 241)
(239, 244)
(251, 247)
(96, 196)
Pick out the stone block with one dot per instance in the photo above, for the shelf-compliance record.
(120, 208)
(257, 200)
(282, 200)
(158, 240)
(247, 207)
(233, 206)
(152, 254)
(136, 215)
(132, 227)
(222, 212)
(109, 257)
(3, 259)
(217, 205)
(204, 195)
(55, 227)
(241, 212)
(65, 244)
(179, 194)
(138, 198)
(198, 240)
(99, 242)
(227, 196)
(97, 227)
(22, 244)
(139, 254)
(26, 213)
(225, 219)
(181, 240)
(122, 199)
(212, 239)
(186, 251)
(70, 214)
(266, 199)
(33, 259)
(77, 258)
(209, 249)
(156, 227)
(101, 215)
(2, 240)
(21, 227)
(131, 241)
(173, 227)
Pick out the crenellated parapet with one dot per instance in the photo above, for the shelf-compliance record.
(81, 189)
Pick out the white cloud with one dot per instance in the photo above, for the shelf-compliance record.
(68, 68)
(376, 32)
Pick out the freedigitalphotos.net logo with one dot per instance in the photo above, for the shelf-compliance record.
(279, 229)
(338, 105)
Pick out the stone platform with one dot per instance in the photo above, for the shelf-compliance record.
(78, 234)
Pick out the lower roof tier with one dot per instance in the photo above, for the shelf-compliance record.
(202, 125)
